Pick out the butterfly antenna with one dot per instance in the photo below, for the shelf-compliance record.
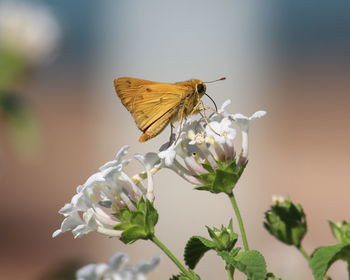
(221, 79)
(216, 107)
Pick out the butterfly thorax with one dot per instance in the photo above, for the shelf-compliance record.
(190, 103)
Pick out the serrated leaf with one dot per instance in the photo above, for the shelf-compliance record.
(324, 257)
(251, 263)
(271, 276)
(181, 276)
(195, 249)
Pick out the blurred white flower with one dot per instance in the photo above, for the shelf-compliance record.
(29, 30)
(115, 269)
(105, 192)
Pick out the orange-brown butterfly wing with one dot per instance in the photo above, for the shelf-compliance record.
(152, 104)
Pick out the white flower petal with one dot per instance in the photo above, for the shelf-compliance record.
(224, 105)
(118, 159)
(145, 267)
(168, 156)
(148, 160)
(87, 272)
(258, 114)
(114, 270)
(117, 260)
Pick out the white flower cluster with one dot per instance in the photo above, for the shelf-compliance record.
(114, 269)
(199, 144)
(207, 141)
(104, 192)
(29, 30)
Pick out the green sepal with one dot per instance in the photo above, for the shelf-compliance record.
(225, 238)
(208, 167)
(323, 257)
(222, 179)
(251, 263)
(287, 222)
(341, 231)
(137, 224)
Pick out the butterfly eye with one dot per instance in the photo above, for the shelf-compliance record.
(200, 88)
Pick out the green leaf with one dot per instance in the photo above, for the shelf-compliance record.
(12, 68)
(195, 249)
(271, 276)
(193, 276)
(324, 257)
(251, 263)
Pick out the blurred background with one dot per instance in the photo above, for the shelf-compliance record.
(60, 120)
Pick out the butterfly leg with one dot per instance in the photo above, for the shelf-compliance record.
(172, 135)
(204, 116)
(181, 124)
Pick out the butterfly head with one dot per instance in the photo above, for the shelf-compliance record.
(199, 87)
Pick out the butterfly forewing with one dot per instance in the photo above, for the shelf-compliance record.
(152, 104)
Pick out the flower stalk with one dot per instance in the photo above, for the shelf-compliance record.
(240, 221)
(230, 275)
(304, 253)
(171, 256)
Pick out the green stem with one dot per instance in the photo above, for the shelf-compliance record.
(171, 256)
(240, 221)
(304, 253)
(230, 273)
(348, 270)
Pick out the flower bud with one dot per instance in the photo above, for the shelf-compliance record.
(341, 231)
(224, 238)
(286, 221)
